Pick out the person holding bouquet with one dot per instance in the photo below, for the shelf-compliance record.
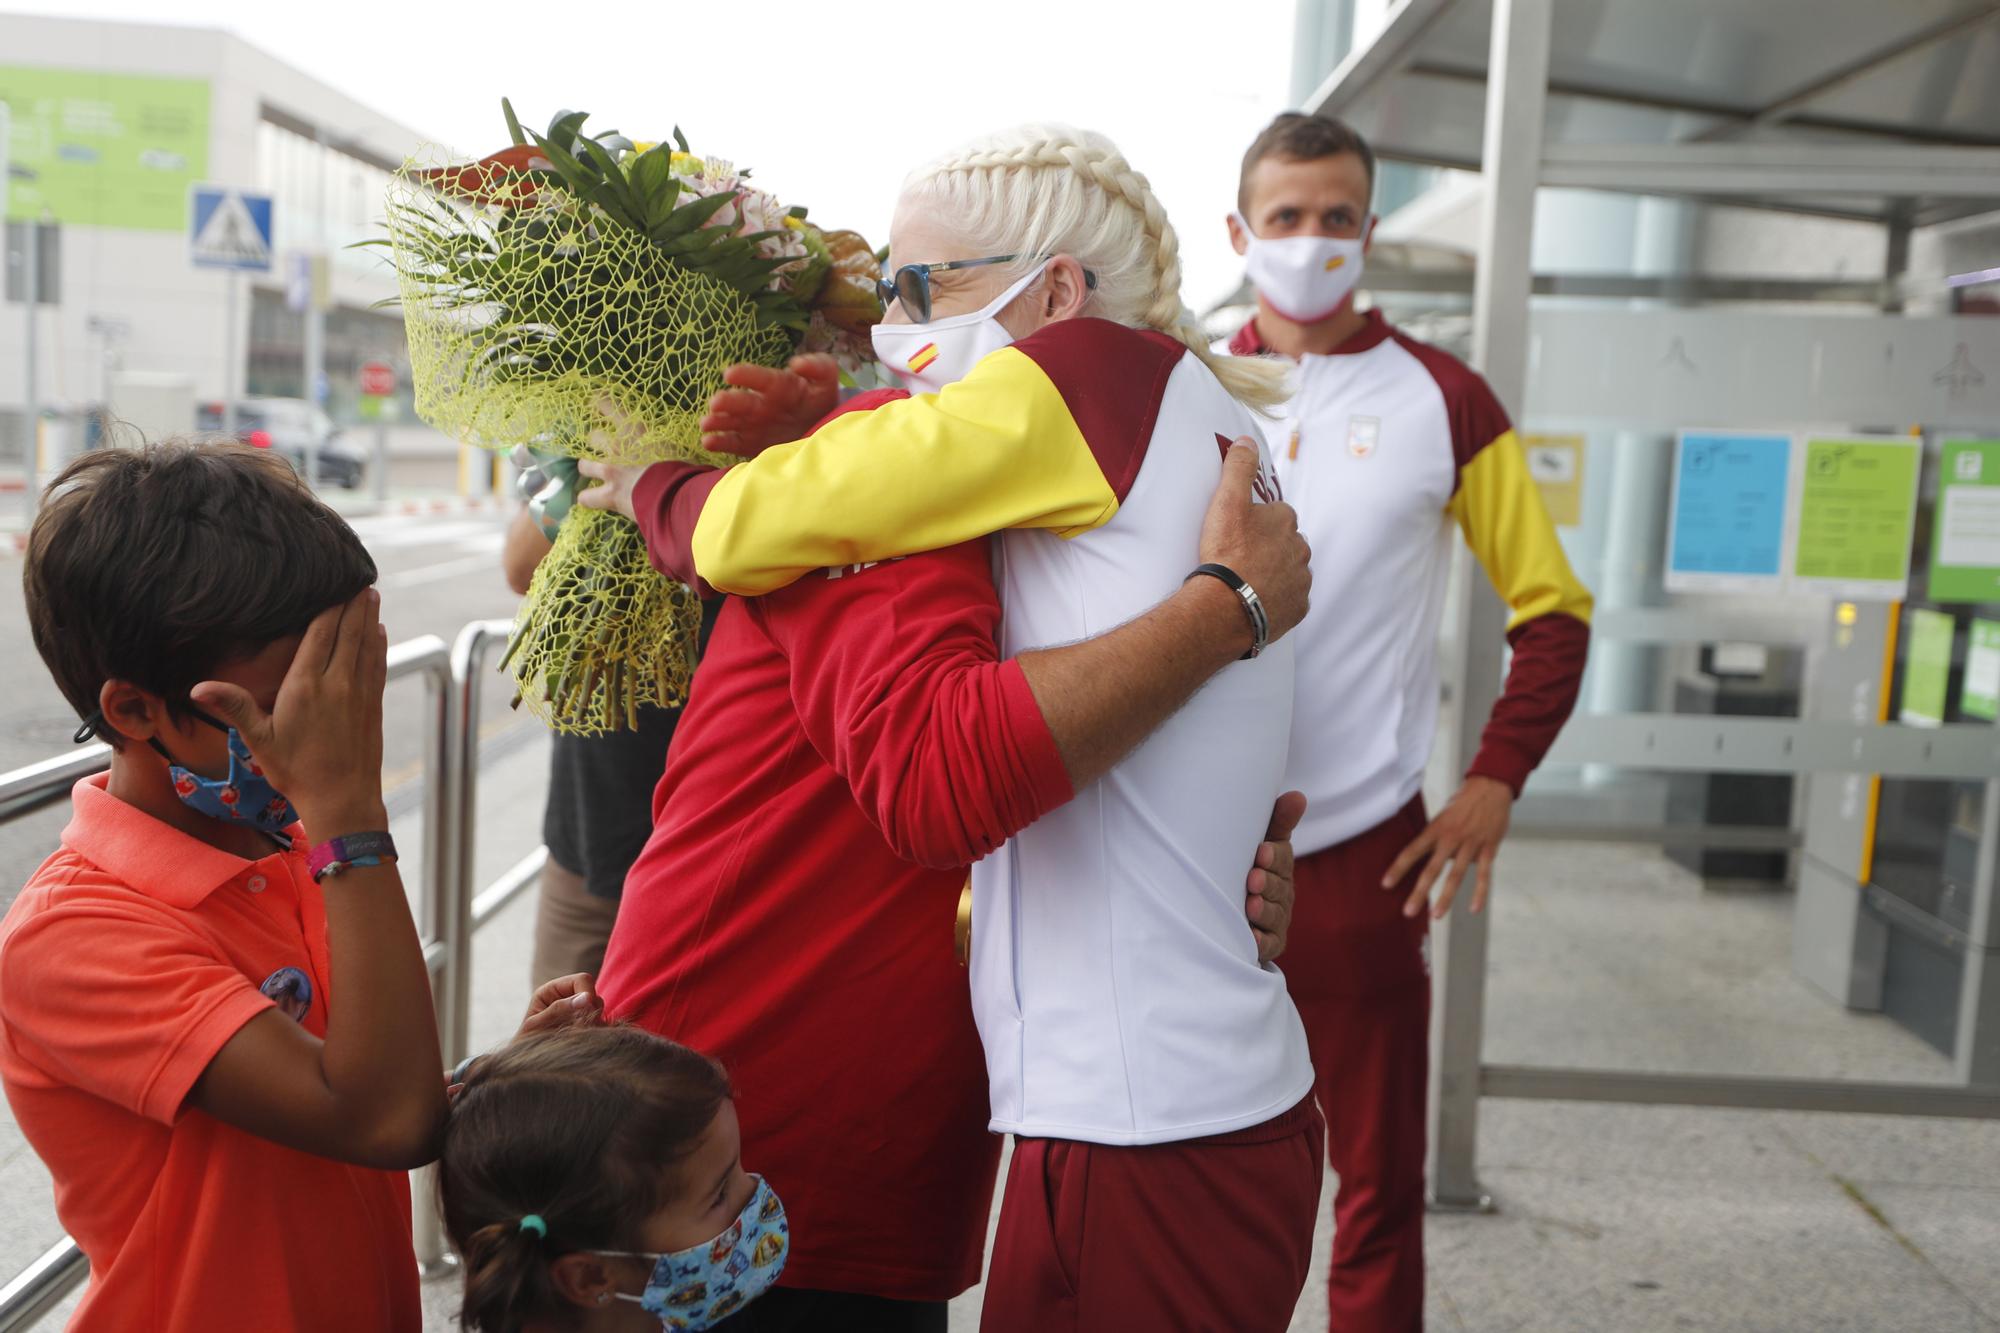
(864, 717)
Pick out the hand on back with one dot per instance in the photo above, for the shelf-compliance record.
(1259, 541)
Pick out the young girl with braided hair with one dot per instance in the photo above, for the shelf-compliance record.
(592, 1180)
(1057, 395)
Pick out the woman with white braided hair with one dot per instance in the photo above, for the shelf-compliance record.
(1136, 1046)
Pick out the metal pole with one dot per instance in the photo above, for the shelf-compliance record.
(229, 354)
(31, 273)
(442, 815)
(1977, 1057)
(1516, 92)
(315, 339)
(315, 368)
(382, 455)
(41, 1286)
(1896, 263)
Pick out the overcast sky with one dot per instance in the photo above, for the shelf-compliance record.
(830, 103)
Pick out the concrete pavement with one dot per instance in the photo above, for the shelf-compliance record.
(1609, 1217)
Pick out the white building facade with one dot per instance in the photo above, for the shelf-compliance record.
(110, 126)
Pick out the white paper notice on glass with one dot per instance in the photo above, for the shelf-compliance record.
(1969, 526)
(1982, 670)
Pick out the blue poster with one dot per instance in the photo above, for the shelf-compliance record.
(1730, 493)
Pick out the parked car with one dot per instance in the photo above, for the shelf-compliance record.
(288, 426)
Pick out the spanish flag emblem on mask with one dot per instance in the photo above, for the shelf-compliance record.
(923, 357)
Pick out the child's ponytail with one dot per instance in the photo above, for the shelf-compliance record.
(506, 1275)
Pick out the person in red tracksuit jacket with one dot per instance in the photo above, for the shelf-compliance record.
(852, 743)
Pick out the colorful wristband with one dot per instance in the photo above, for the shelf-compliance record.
(356, 849)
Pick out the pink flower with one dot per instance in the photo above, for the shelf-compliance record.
(849, 351)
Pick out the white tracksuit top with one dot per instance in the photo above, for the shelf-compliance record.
(1114, 976)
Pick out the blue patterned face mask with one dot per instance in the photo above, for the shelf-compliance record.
(697, 1288)
(246, 796)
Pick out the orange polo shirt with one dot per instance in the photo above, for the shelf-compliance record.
(130, 959)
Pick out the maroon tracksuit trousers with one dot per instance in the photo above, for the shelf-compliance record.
(1208, 1235)
(1359, 972)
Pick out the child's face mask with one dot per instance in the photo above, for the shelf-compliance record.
(698, 1287)
(246, 796)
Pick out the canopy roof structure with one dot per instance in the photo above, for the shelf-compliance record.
(1808, 106)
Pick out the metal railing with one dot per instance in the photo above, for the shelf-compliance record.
(448, 912)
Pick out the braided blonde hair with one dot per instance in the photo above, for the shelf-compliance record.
(1040, 190)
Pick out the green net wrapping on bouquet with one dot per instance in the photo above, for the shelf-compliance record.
(582, 295)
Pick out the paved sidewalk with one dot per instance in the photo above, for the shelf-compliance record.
(1609, 1217)
(1666, 1218)
(1663, 1218)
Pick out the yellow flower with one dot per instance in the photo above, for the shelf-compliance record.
(645, 145)
(686, 162)
(796, 224)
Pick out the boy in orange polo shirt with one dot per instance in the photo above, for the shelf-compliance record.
(228, 1136)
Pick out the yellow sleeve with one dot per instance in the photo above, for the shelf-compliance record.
(1500, 511)
(996, 450)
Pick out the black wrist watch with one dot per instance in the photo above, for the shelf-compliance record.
(1253, 606)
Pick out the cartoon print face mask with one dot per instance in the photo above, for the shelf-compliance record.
(696, 1288)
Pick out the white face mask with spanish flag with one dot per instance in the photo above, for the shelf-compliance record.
(1303, 278)
(926, 357)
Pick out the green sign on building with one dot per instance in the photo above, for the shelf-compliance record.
(104, 150)
(1857, 508)
(1981, 695)
(1927, 668)
(1965, 540)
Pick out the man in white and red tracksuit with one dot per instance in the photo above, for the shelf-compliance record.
(1386, 444)
(860, 731)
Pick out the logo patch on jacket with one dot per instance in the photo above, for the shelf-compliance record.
(1265, 485)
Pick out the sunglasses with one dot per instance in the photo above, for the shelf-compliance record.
(911, 284)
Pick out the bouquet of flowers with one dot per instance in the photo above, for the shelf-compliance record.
(572, 281)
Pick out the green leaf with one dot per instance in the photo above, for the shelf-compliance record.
(701, 210)
(563, 129)
(616, 206)
(681, 140)
(607, 167)
(661, 206)
(576, 176)
(798, 211)
(653, 181)
(514, 130)
(688, 245)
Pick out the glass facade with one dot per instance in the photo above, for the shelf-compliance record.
(325, 199)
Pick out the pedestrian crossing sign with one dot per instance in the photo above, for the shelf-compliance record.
(229, 229)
